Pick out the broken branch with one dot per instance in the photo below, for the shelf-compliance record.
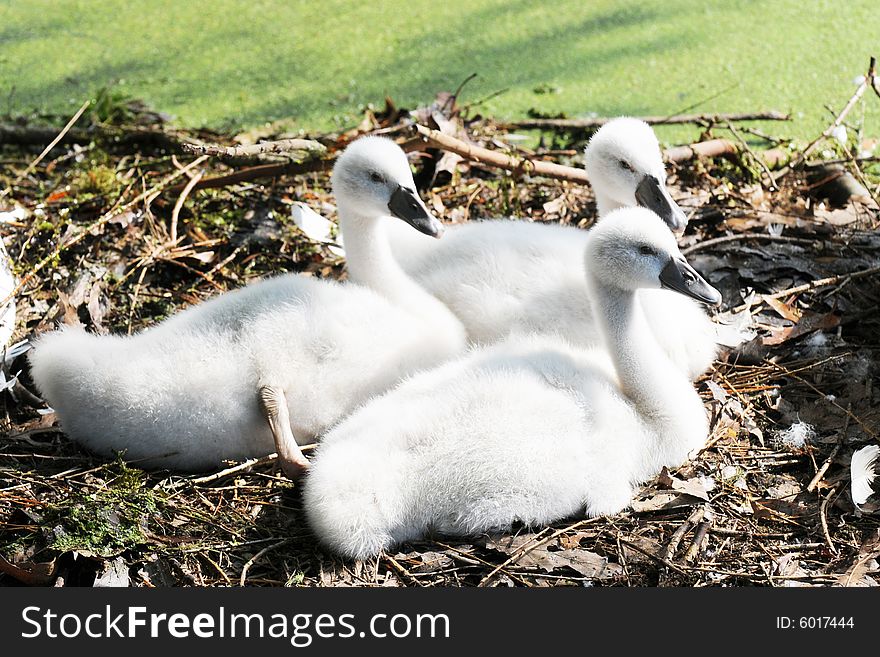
(493, 158)
(279, 147)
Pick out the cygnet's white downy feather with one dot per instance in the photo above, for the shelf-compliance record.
(531, 429)
(184, 394)
(505, 276)
(862, 473)
(7, 285)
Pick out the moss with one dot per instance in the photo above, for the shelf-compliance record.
(97, 180)
(108, 521)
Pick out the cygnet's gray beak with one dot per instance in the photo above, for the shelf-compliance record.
(652, 194)
(405, 204)
(679, 276)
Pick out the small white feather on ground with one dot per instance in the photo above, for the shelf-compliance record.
(861, 472)
(796, 436)
(316, 227)
(7, 285)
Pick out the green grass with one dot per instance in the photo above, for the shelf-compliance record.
(228, 64)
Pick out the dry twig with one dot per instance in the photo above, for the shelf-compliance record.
(516, 164)
(279, 147)
(593, 123)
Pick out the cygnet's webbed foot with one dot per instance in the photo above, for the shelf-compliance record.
(274, 405)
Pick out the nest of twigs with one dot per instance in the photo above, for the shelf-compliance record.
(766, 503)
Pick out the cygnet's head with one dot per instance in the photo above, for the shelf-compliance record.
(631, 248)
(373, 176)
(625, 167)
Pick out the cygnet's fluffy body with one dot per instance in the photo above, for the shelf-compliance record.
(184, 394)
(506, 276)
(531, 429)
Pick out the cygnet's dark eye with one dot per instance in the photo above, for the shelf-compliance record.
(623, 164)
(377, 177)
(644, 249)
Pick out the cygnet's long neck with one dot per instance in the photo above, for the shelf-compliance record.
(371, 263)
(605, 203)
(662, 394)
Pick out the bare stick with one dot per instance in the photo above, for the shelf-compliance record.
(178, 206)
(48, 148)
(705, 244)
(827, 463)
(493, 158)
(874, 83)
(403, 572)
(280, 147)
(698, 542)
(823, 282)
(823, 516)
(859, 92)
(813, 285)
(257, 557)
(709, 148)
(588, 124)
(239, 467)
(695, 517)
(274, 405)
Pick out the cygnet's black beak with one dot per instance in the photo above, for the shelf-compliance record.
(679, 276)
(652, 194)
(405, 204)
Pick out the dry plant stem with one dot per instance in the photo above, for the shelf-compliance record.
(767, 178)
(178, 206)
(240, 467)
(709, 148)
(827, 463)
(279, 147)
(859, 92)
(699, 541)
(257, 557)
(403, 572)
(813, 285)
(519, 165)
(274, 405)
(823, 517)
(588, 124)
(695, 517)
(48, 148)
(860, 176)
(705, 244)
(103, 219)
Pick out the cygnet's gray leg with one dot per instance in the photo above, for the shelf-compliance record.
(274, 405)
